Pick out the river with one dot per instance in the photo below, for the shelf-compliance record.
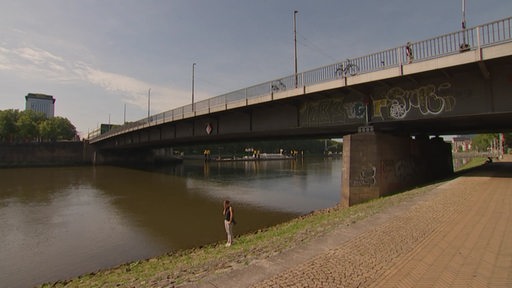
(58, 223)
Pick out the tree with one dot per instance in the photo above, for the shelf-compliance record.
(482, 142)
(48, 130)
(65, 130)
(508, 140)
(57, 128)
(28, 123)
(8, 128)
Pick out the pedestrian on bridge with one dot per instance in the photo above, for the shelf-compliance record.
(408, 51)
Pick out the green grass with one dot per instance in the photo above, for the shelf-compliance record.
(474, 162)
(193, 264)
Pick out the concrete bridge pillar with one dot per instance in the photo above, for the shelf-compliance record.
(379, 164)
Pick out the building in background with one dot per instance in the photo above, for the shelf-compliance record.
(41, 103)
(461, 144)
(104, 128)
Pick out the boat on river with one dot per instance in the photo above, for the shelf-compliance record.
(258, 157)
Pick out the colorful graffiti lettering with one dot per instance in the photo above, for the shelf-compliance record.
(427, 100)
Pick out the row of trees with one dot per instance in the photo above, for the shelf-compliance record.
(30, 126)
(484, 142)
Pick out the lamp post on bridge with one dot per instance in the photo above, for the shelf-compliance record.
(149, 103)
(464, 46)
(463, 14)
(295, 44)
(193, 68)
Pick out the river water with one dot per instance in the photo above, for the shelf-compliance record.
(57, 223)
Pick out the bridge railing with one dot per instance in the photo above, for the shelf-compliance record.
(457, 42)
(496, 32)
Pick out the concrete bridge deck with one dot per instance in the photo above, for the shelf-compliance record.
(449, 87)
(457, 235)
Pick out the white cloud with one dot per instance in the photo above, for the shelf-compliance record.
(4, 59)
(112, 82)
(36, 56)
(31, 62)
(132, 90)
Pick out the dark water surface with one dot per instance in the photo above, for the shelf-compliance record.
(57, 223)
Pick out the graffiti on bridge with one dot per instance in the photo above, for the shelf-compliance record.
(334, 110)
(393, 171)
(402, 170)
(397, 103)
(366, 177)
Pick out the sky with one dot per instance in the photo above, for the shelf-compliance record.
(97, 57)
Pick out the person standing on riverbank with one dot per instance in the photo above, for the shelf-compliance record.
(229, 221)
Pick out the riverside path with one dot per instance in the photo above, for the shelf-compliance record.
(457, 235)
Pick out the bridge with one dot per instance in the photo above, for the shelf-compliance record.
(452, 84)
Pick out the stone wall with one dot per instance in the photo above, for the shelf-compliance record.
(138, 156)
(45, 154)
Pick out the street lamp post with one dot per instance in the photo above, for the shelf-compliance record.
(193, 68)
(295, 43)
(464, 46)
(463, 14)
(149, 102)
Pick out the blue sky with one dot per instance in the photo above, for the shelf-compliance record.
(96, 56)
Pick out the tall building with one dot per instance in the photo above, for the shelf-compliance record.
(40, 103)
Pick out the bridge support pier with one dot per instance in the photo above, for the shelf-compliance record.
(379, 164)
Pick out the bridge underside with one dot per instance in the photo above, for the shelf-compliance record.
(420, 99)
(463, 99)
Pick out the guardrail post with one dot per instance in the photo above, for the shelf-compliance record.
(399, 54)
(478, 43)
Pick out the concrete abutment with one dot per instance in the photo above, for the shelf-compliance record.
(379, 164)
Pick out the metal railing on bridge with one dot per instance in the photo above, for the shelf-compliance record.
(457, 42)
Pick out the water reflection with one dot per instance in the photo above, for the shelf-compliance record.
(56, 223)
(293, 186)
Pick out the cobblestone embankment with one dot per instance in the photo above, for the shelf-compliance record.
(457, 235)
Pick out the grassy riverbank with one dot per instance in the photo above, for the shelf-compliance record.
(193, 264)
(474, 162)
